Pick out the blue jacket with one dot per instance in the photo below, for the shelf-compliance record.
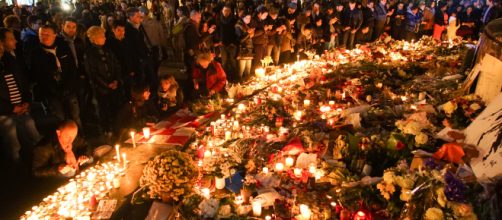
(412, 21)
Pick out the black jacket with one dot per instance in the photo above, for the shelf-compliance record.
(131, 116)
(226, 30)
(136, 47)
(9, 64)
(44, 70)
(118, 48)
(48, 155)
(192, 35)
(102, 68)
(352, 18)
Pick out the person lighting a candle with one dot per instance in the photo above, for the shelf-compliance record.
(61, 154)
(208, 75)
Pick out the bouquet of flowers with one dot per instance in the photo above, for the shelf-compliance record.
(428, 194)
(462, 110)
(169, 176)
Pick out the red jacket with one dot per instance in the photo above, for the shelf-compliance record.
(215, 76)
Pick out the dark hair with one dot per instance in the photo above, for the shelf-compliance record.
(10, 20)
(137, 93)
(261, 9)
(3, 33)
(70, 19)
(49, 26)
(67, 124)
(308, 27)
(118, 23)
(131, 11)
(32, 19)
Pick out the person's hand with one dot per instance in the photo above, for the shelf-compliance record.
(191, 52)
(196, 86)
(390, 12)
(365, 30)
(334, 34)
(250, 30)
(164, 107)
(131, 74)
(212, 92)
(211, 29)
(346, 28)
(20, 109)
(353, 31)
(66, 170)
(83, 160)
(150, 124)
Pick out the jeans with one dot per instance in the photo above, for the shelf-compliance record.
(244, 68)
(17, 132)
(276, 52)
(348, 39)
(228, 61)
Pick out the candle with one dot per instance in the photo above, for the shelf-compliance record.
(133, 139)
(360, 215)
(306, 103)
(298, 115)
(116, 183)
(222, 116)
(343, 95)
(219, 183)
(146, 132)
(228, 135)
(256, 207)
(124, 160)
(297, 172)
(207, 154)
(290, 161)
(259, 72)
(305, 211)
(413, 107)
(266, 129)
(268, 217)
(241, 107)
(279, 167)
(331, 103)
(117, 151)
(265, 170)
(379, 85)
(404, 98)
(312, 169)
(238, 200)
(206, 193)
(236, 125)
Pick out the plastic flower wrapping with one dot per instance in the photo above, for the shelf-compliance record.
(169, 176)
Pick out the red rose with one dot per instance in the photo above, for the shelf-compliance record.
(400, 145)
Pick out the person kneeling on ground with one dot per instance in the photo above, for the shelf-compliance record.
(209, 78)
(170, 96)
(61, 154)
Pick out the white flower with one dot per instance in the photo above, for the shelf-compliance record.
(475, 106)
(421, 138)
(449, 107)
(434, 214)
(413, 127)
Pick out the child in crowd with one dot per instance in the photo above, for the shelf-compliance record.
(170, 96)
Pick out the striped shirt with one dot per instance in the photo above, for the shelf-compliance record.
(14, 93)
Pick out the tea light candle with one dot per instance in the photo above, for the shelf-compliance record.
(222, 116)
(305, 211)
(404, 98)
(241, 107)
(133, 139)
(146, 132)
(266, 129)
(279, 167)
(236, 125)
(265, 170)
(290, 161)
(306, 103)
(297, 172)
(117, 151)
(256, 207)
(331, 103)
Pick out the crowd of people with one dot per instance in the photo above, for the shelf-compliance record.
(94, 67)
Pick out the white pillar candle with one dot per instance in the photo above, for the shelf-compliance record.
(290, 161)
(279, 167)
(133, 139)
(312, 169)
(256, 207)
(124, 160)
(146, 132)
(265, 170)
(117, 151)
(297, 172)
(305, 211)
(306, 103)
(228, 135)
(206, 193)
(219, 183)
